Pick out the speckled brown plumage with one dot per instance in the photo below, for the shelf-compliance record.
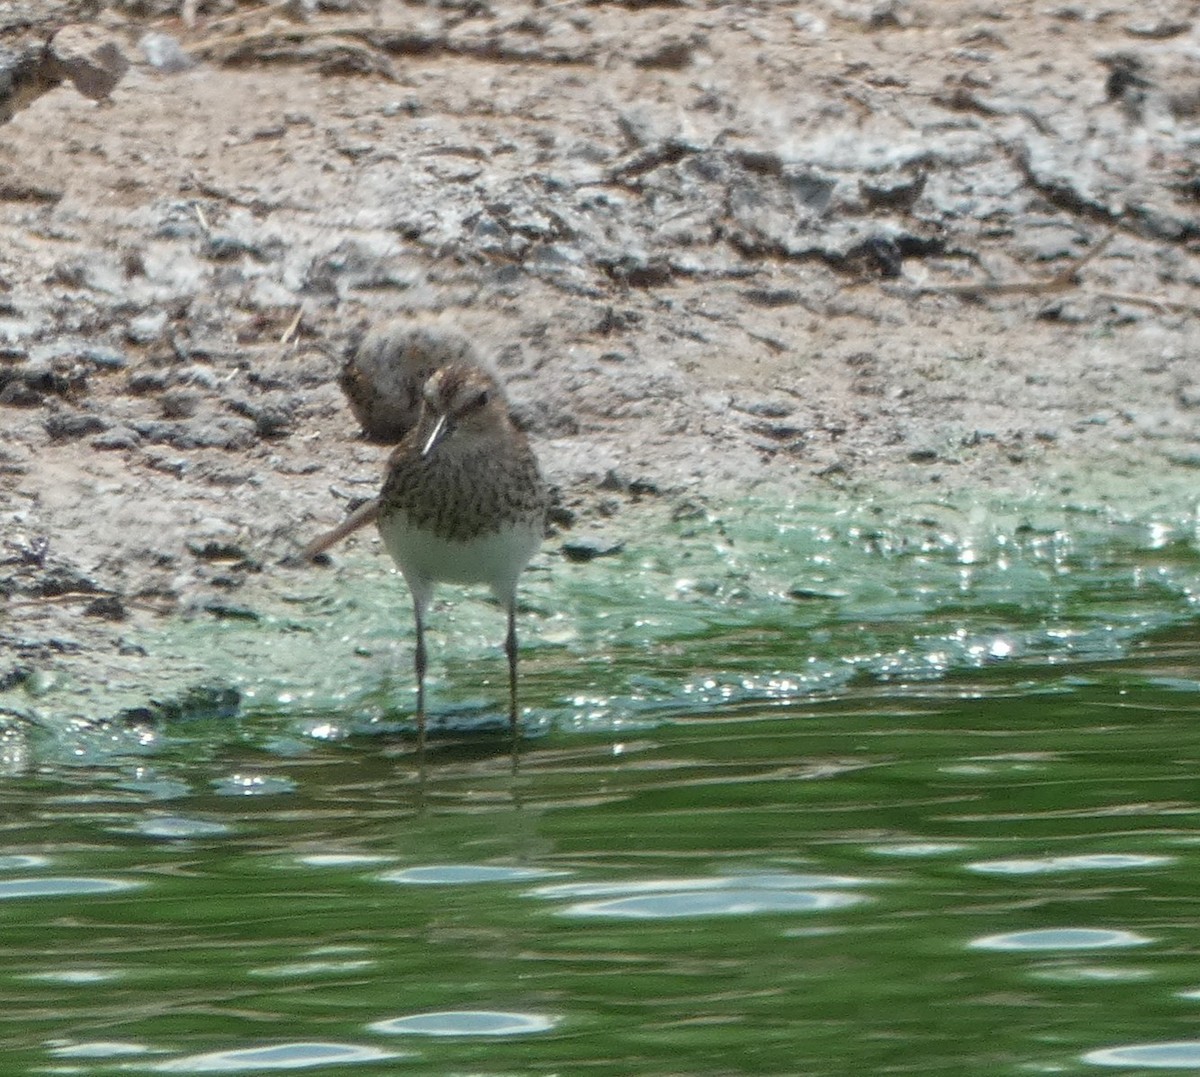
(386, 369)
(461, 495)
(483, 479)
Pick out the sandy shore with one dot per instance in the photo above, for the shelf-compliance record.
(819, 250)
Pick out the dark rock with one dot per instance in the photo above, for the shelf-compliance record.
(224, 432)
(108, 607)
(778, 431)
(638, 271)
(115, 439)
(898, 193)
(223, 248)
(271, 420)
(766, 409)
(14, 677)
(212, 550)
(35, 381)
(179, 403)
(225, 611)
(773, 297)
(811, 594)
(17, 394)
(202, 702)
(104, 358)
(60, 580)
(142, 382)
(669, 56)
(588, 548)
(66, 426)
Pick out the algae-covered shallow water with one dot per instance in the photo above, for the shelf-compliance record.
(805, 792)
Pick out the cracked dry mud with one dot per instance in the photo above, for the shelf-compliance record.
(714, 248)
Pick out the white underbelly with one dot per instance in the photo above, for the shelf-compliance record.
(496, 559)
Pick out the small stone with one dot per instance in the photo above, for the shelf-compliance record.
(813, 594)
(773, 297)
(179, 403)
(118, 438)
(104, 358)
(108, 607)
(766, 409)
(147, 328)
(588, 548)
(17, 394)
(224, 432)
(670, 56)
(164, 53)
(147, 381)
(1187, 458)
(273, 422)
(225, 611)
(212, 550)
(66, 426)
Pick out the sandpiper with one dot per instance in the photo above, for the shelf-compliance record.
(385, 371)
(463, 501)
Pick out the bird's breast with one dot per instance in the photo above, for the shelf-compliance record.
(495, 558)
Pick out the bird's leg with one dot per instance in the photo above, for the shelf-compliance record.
(419, 660)
(510, 649)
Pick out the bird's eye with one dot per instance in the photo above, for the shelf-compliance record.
(482, 399)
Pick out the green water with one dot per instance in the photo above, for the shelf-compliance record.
(806, 792)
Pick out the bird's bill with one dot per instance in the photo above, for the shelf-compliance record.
(436, 436)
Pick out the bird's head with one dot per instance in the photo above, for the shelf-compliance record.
(463, 402)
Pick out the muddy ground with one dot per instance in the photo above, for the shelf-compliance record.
(823, 250)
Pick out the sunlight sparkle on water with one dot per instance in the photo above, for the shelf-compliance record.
(456, 874)
(252, 785)
(99, 1049)
(466, 1023)
(283, 1056)
(1181, 1055)
(1086, 862)
(1061, 938)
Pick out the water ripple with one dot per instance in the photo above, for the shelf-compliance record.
(178, 828)
(1181, 1055)
(75, 977)
(1060, 938)
(662, 899)
(716, 903)
(918, 848)
(100, 1049)
(466, 1023)
(634, 887)
(252, 785)
(1087, 862)
(456, 874)
(22, 861)
(281, 1056)
(340, 860)
(61, 886)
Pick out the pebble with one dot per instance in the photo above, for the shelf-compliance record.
(589, 547)
(66, 426)
(117, 438)
(147, 328)
(104, 358)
